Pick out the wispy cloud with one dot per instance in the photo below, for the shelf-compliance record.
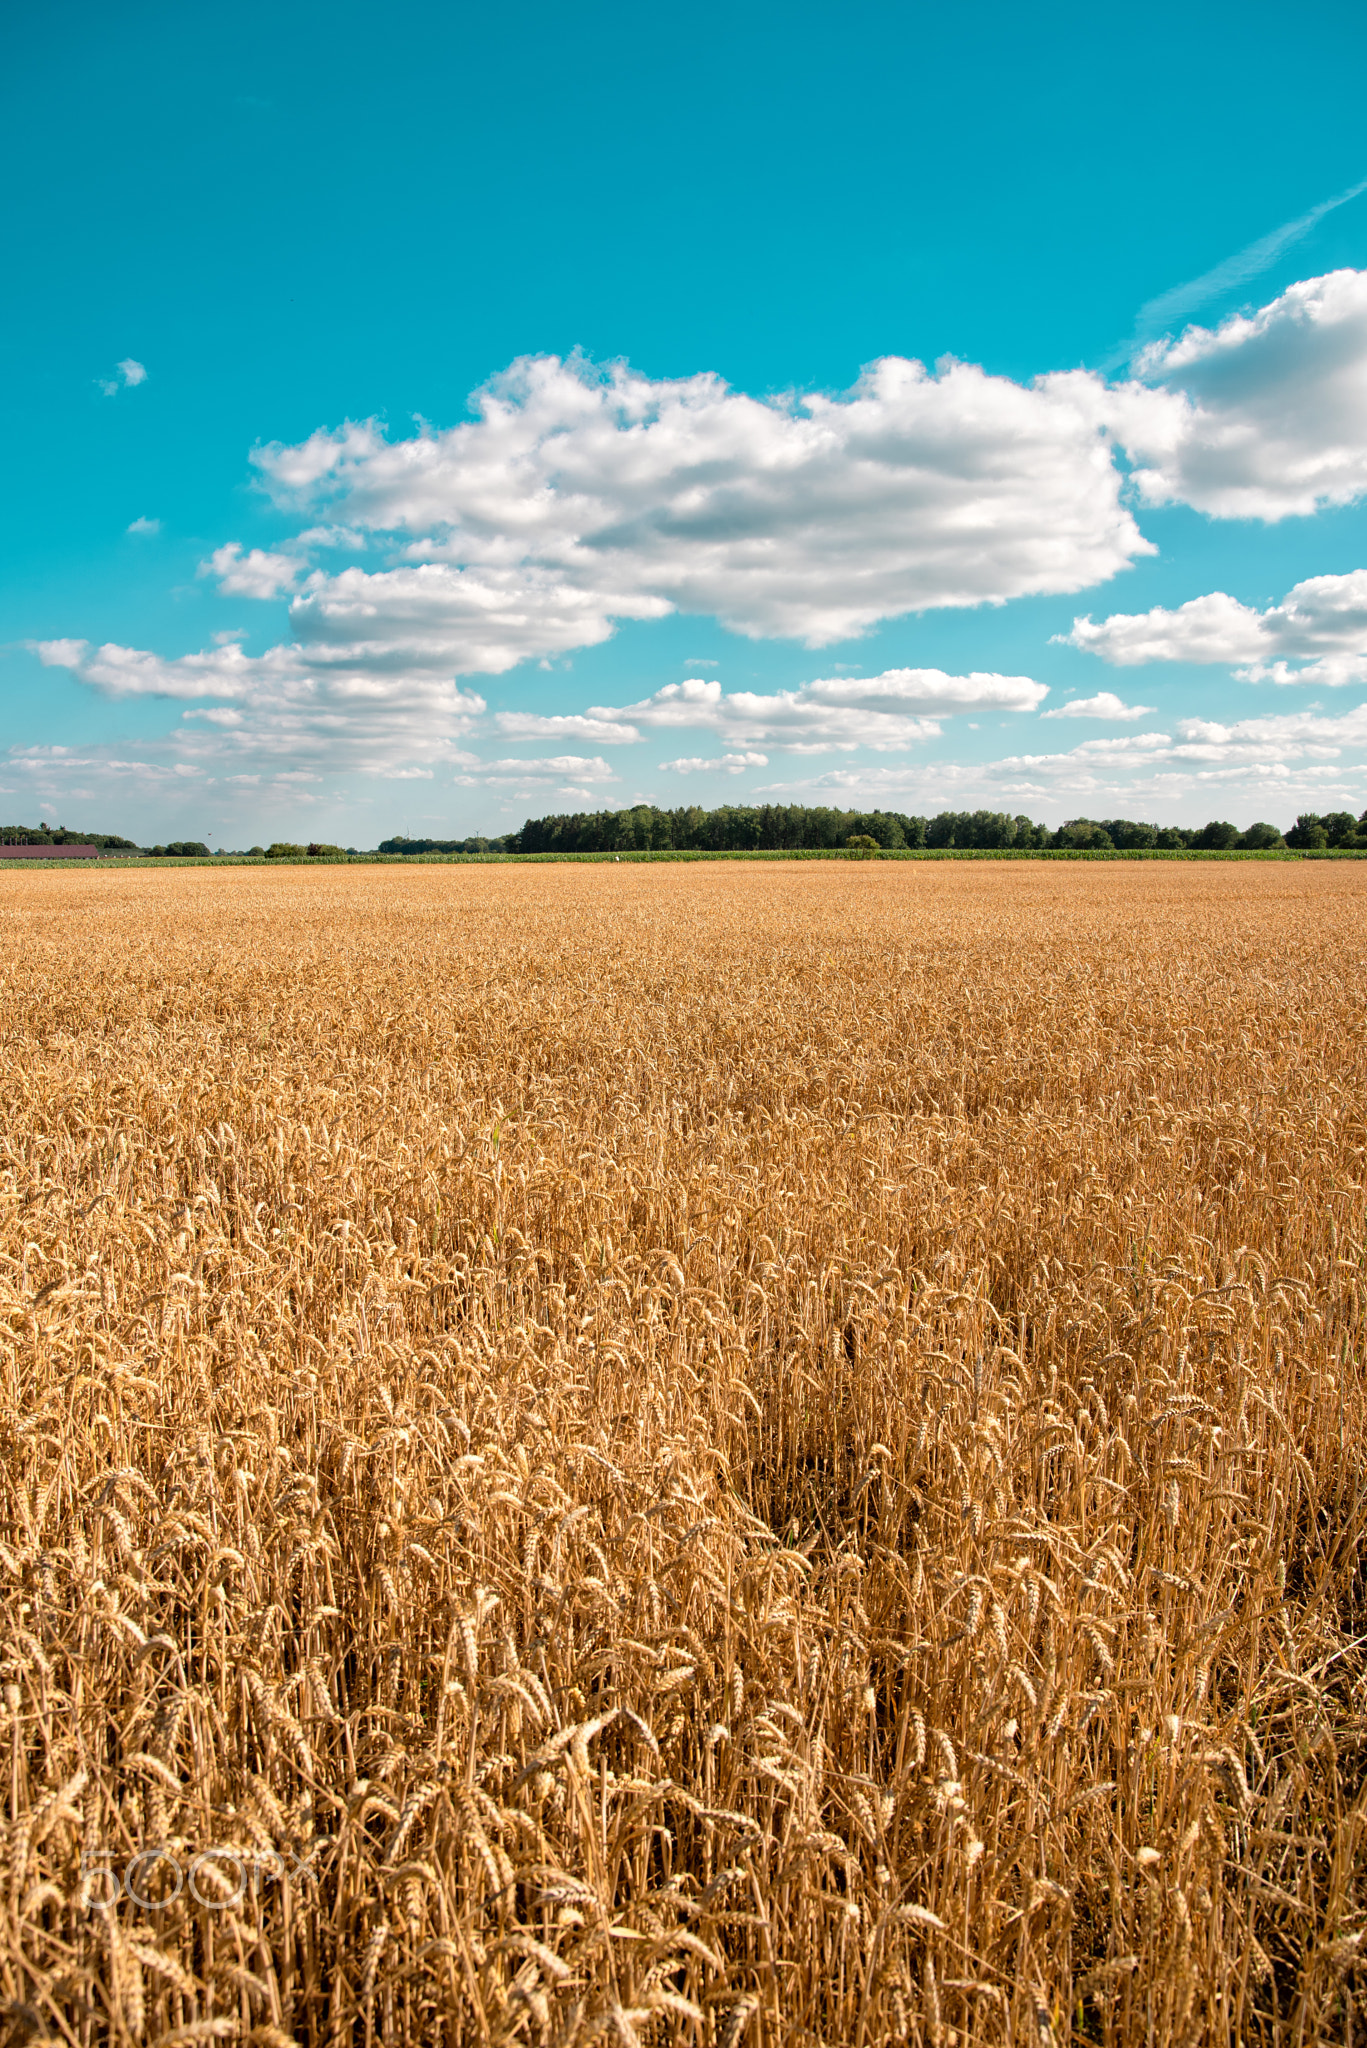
(147, 526)
(1159, 316)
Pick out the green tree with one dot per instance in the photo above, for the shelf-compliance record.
(1338, 826)
(1085, 835)
(1129, 835)
(1216, 837)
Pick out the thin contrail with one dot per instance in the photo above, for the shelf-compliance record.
(1158, 315)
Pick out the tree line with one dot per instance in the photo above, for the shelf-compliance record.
(58, 835)
(789, 828)
(745, 828)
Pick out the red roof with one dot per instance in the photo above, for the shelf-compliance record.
(49, 852)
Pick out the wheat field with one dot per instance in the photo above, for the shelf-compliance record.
(722, 1455)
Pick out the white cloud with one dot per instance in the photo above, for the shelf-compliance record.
(144, 526)
(603, 727)
(1265, 415)
(60, 653)
(575, 498)
(723, 764)
(1258, 767)
(1317, 634)
(281, 709)
(379, 703)
(1139, 746)
(808, 517)
(895, 709)
(1270, 743)
(1296, 736)
(550, 768)
(132, 672)
(131, 372)
(1104, 705)
(257, 573)
(434, 619)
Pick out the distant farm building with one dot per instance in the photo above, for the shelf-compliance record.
(49, 852)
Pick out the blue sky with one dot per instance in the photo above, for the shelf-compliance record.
(414, 423)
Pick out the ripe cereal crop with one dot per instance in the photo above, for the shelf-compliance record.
(721, 1455)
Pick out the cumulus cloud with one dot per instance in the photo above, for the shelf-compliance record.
(809, 517)
(130, 374)
(1104, 705)
(577, 497)
(255, 573)
(143, 526)
(722, 764)
(60, 653)
(281, 709)
(1317, 634)
(895, 709)
(1265, 415)
(435, 619)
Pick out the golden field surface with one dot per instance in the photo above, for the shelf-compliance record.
(735, 1454)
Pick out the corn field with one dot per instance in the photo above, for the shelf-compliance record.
(710, 1455)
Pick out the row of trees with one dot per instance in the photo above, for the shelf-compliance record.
(1335, 828)
(477, 844)
(779, 828)
(58, 835)
(801, 827)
